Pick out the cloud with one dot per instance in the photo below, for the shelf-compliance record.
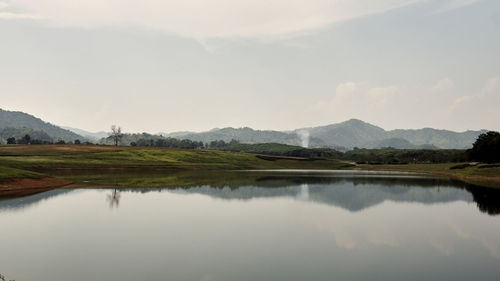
(205, 19)
(357, 97)
(13, 16)
(443, 85)
(435, 106)
(484, 102)
(7, 15)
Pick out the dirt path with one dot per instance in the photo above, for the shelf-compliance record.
(23, 187)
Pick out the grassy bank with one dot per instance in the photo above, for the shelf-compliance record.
(7, 173)
(47, 159)
(109, 165)
(483, 175)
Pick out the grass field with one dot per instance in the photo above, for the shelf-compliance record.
(7, 173)
(18, 159)
(127, 165)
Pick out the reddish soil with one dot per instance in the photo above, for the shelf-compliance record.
(22, 187)
(60, 148)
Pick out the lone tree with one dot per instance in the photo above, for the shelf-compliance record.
(11, 140)
(116, 134)
(486, 148)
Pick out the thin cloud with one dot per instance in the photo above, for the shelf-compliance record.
(366, 101)
(14, 16)
(206, 19)
(9, 15)
(454, 4)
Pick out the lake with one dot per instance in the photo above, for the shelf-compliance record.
(286, 225)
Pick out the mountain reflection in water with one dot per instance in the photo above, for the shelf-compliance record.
(351, 191)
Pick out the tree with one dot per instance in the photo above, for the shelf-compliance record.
(11, 140)
(77, 141)
(25, 140)
(486, 148)
(116, 134)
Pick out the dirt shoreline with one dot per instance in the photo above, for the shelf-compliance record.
(27, 186)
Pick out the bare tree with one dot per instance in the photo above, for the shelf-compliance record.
(116, 134)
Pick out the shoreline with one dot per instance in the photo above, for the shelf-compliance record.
(19, 187)
(28, 186)
(482, 181)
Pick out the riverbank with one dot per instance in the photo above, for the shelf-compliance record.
(110, 165)
(35, 168)
(480, 174)
(27, 186)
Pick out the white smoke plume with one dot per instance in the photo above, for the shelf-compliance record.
(304, 138)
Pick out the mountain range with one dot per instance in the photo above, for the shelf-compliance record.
(345, 135)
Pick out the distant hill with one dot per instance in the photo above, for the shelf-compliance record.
(248, 135)
(90, 135)
(352, 133)
(356, 133)
(20, 120)
(341, 136)
(348, 134)
(438, 138)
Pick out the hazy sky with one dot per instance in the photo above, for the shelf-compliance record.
(172, 65)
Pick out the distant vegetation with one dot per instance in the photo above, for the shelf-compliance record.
(168, 142)
(362, 156)
(405, 156)
(484, 150)
(274, 149)
(18, 133)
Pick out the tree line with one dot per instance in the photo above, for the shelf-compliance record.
(485, 149)
(27, 139)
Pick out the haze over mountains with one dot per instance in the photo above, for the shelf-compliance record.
(344, 135)
(348, 134)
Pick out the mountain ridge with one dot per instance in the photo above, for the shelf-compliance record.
(346, 135)
(352, 133)
(21, 120)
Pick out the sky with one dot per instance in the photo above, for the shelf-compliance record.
(193, 65)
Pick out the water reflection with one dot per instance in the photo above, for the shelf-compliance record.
(354, 192)
(275, 227)
(113, 199)
(304, 192)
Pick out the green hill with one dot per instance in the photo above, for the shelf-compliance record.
(347, 135)
(22, 121)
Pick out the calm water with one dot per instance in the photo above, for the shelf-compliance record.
(281, 226)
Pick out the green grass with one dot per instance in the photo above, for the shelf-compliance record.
(102, 165)
(50, 158)
(7, 173)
